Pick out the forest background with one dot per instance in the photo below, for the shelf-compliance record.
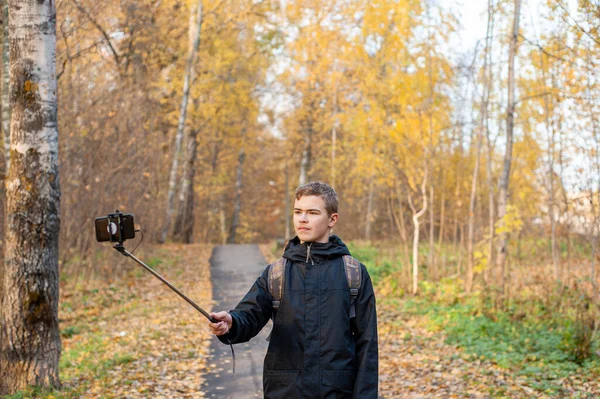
(468, 176)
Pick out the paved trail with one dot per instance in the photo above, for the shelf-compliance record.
(234, 269)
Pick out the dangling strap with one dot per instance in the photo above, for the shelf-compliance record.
(276, 277)
(232, 354)
(276, 280)
(352, 270)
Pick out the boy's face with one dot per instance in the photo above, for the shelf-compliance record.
(311, 221)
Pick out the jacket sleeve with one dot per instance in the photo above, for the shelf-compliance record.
(364, 326)
(251, 314)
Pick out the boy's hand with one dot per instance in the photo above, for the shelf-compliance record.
(224, 324)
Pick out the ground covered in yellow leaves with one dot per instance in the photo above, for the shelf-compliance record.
(126, 335)
(129, 336)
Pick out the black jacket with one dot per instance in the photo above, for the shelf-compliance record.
(316, 350)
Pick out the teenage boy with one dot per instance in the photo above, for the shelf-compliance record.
(324, 338)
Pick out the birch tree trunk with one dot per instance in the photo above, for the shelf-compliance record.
(442, 225)
(416, 224)
(431, 260)
(489, 175)
(5, 85)
(305, 163)
(510, 124)
(369, 215)
(30, 341)
(397, 217)
(551, 196)
(3, 134)
(288, 205)
(194, 29)
(469, 275)
(235, 220)
(184, 221)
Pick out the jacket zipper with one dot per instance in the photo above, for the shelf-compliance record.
(308, 254)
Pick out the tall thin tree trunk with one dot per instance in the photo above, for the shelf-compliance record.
(457, 207)
(510, 123)
(400, 223)
(442, 223)
(288, 206)
(491, 204)
(5, 85)
(551, 196)
(223, 226)
(305, 163)
(595, 212)
(4, 135)
(235, 220)
(565, 198)
(29, 335)
(194, 30)
(333, 137)
(184, 221)
(416, 224)
(431, 260)
(469, 276)
(369, 213)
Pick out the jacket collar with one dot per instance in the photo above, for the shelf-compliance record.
(311, 252)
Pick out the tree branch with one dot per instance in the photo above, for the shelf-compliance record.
(97, 25)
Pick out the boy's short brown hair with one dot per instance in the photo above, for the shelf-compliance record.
(322, 190)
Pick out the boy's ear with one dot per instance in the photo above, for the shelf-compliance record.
(333, 219)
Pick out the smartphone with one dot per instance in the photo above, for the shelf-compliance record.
(115, 227)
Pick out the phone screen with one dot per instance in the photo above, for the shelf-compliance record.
(102, 234)
(107, 229)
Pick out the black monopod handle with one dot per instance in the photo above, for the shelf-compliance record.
(128, 254)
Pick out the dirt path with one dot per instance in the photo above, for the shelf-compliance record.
(234, 269)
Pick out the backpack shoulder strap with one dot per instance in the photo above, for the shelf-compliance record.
(276, 276)
(352, 271)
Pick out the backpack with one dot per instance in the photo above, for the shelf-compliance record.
(277, 274)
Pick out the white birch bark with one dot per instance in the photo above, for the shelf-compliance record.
(194, 29)
(5, 84)
(469, 276)
(416, 223)
(510, 124)
(29, 328)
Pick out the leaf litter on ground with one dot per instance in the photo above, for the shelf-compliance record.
(132, 337)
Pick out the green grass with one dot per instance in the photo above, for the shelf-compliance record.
(36, 392)
(540, 350)
(528, 337)
(379, 267)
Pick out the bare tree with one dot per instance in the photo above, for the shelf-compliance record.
(510, 124)
(369, 213)
(305, 163)
(469, 276)
(416, 224)
(29, 330)
(194, 29)
(237, 206)
(551, 174)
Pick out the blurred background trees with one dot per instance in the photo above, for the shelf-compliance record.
(383, 99)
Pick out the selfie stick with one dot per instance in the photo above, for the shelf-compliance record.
(119, 247)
